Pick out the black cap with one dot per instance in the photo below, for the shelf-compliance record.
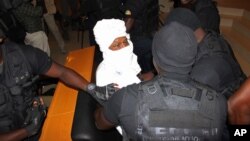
(184, 16)
(174, 48)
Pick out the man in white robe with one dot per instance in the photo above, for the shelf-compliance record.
(119, 63)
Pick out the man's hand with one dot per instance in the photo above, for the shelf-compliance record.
(102, 94)
(35, 117)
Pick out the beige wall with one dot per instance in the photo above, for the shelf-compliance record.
(245, 4)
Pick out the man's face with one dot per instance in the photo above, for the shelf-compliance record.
(119, 43)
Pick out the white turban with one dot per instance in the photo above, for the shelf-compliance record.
(119, 66)
(107, 30)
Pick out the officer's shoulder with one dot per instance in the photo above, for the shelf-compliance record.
(22, 47)
(13, 46)
(26, 48)
(30, 50)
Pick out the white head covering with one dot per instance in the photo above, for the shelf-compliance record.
(119, 66)
(107, 30)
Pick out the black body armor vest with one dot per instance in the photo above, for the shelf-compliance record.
(17, 87)
(171, 110)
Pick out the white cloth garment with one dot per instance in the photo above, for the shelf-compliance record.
(119, 66)
(39, 40)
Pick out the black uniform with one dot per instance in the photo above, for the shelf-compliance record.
(21, 66)
(216, 65)
(154, 112)
(171, 106)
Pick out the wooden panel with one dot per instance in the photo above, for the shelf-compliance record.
(57, 126)
(243, 4)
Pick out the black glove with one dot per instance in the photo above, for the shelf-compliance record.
(101, 94)
(35, 117)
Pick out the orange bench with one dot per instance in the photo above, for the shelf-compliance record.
(58, 124)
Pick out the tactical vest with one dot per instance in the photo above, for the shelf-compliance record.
(171, 110)
(217, 45)
(16, 85)
(5, 109)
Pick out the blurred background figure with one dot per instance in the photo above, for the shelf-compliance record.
(51, 23)
(142, 21)
(69, 12)
(29, 14)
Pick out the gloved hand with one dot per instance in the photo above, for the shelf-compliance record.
(102, 94)
(35, 117)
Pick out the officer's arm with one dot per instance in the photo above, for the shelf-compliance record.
(67, 76)
(16, 135)
(74, 80)
(100, 120)
(239, 106)
(129, 22)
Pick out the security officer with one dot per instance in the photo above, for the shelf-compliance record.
(206, 11)
(171, 106)
(141, 17)
(215, 57)
(20, 66)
